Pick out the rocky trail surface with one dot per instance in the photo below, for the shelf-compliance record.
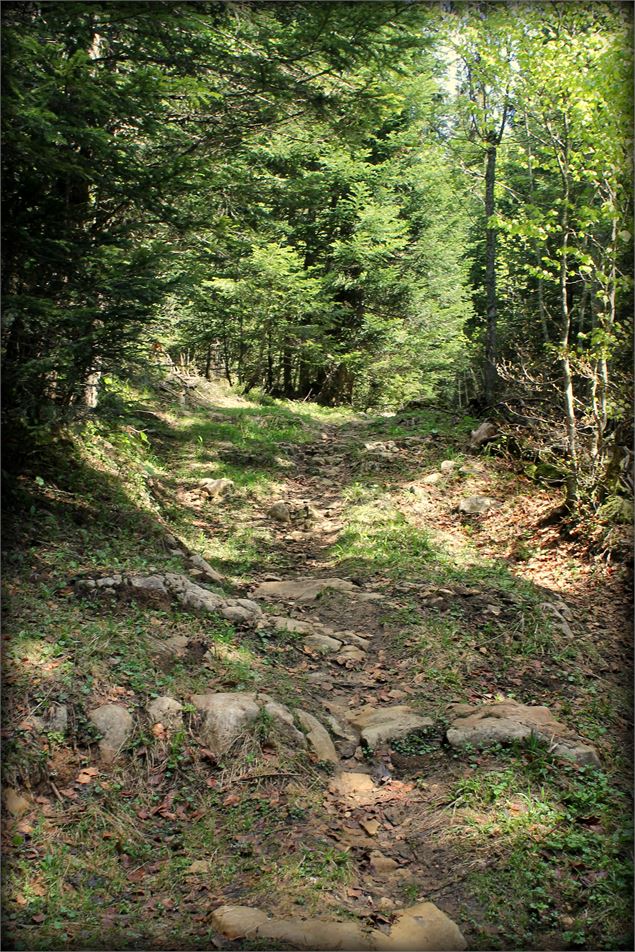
(364, 736)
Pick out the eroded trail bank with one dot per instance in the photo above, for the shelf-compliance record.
(326, 668)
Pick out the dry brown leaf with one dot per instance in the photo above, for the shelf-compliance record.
(69, 792)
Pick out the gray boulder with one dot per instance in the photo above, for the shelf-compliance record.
(166, 711)
(114, 723)
(475, 505)
(226, 717)
(280, 512)
(506, 721)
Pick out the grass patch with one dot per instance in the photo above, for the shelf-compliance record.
(381, 540)
(561, 838)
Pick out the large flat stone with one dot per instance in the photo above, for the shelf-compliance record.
(422, 928)
(242, 922)
(506, 721)
(302, 589)
(379, 724)
(282, 623)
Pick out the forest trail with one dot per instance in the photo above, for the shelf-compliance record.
(329, 835)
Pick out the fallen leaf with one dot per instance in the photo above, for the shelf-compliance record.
(87, 775)
(69, 792)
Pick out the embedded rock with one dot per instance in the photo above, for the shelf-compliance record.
(114, 723)
(195, 598)
(15, 803)
(281, 623)
(382, 864)
(55, 721)
(422, 928)
(198, 562)
(215, 488)
(506, 721)
(346, 737)
(318, 737)
(449, 465)
(372, 827)
(280, 512)
(149, 589)
(352, 639)
(247, 604)
(358, 788)
(556, 614)
(109, 581)
(302, 589)
(323, 644)
(432, 479)
(226, 717)
(166, 711)
(284, 725)
(379, 724)
(170, 649)
(238, 922)
(475, 505)
(242, 922)
(237, 614)
(484, 433)
(352, 654)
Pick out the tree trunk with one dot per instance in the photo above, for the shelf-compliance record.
(287, 370)
(491, 374)
(269, 362)
(571, 501)
(537, 254)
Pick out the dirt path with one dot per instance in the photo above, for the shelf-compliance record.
(406, 832)
(438, 608)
